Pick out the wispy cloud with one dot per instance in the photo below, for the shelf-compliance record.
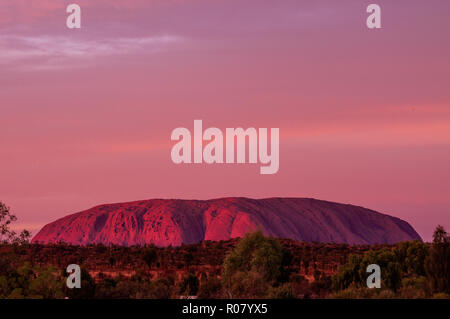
(54, 51)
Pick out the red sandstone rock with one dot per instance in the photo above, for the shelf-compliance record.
(175, 222)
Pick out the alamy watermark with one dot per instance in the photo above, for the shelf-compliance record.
(73, 20)
(74, 278)
(190, 147)
(374, 279)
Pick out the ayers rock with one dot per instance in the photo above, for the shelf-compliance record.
(174, 222)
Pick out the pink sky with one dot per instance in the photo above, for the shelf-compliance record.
(86, 115)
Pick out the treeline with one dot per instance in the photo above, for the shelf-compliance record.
(152, 272)
(252, 267)
(408, 270)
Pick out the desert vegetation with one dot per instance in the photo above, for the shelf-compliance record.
(255, 266)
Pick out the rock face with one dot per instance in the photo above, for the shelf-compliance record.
(175, 222)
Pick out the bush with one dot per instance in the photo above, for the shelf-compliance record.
(252, 266)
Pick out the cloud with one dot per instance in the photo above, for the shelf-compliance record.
(55, 51)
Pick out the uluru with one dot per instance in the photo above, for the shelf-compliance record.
(165, 222)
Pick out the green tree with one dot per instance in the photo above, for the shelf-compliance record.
(252, 266)
(412, 255)
(348, 273)
(47, 285)
(354, 271)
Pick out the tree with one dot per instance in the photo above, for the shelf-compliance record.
(412, 255)
(348, 273)
(252, 266)
(46, 285)
(6, 234)
(438, 261)
(355, 270)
